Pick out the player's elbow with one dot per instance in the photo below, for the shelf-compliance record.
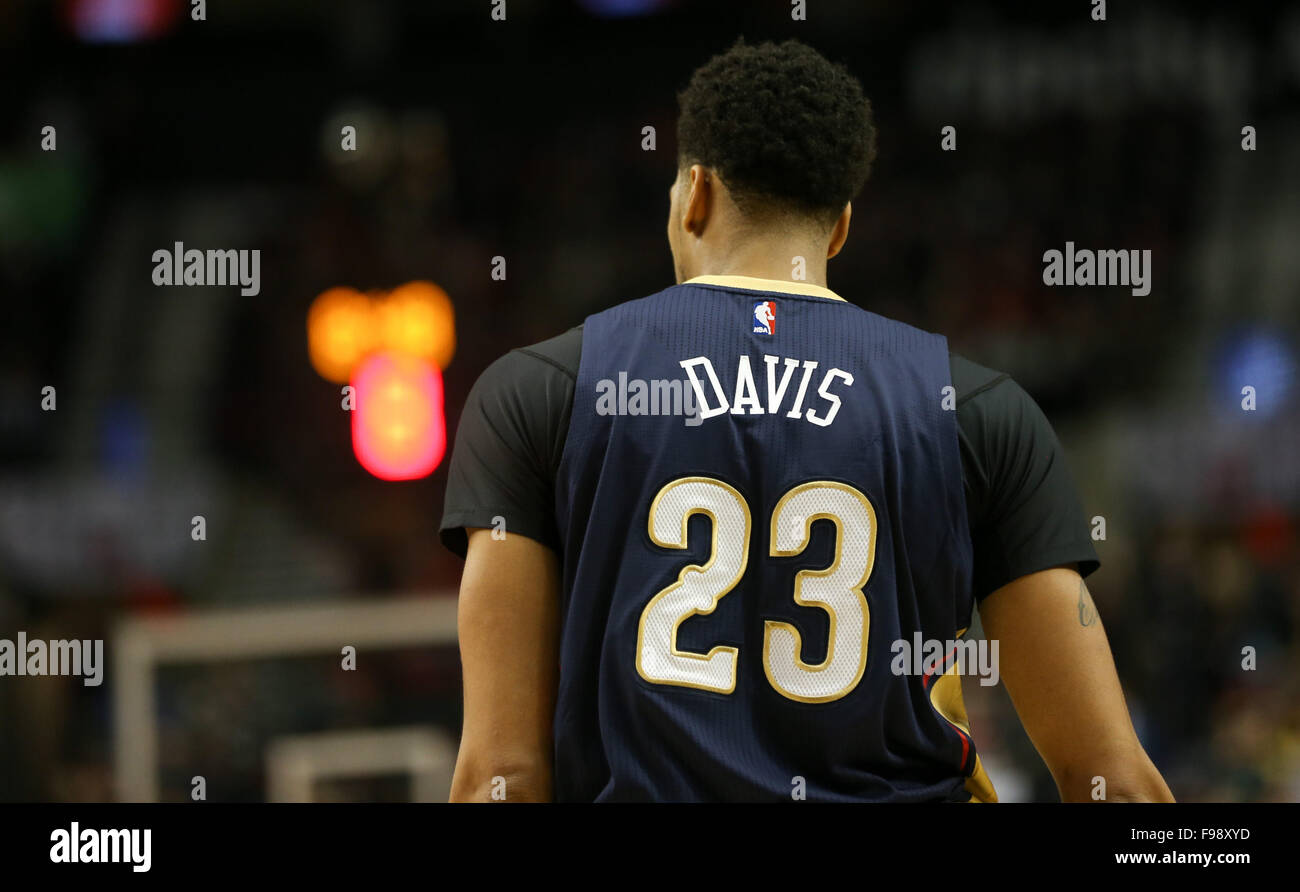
(485, 778)
(1127, 776)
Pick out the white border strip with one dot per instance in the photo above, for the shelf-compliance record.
(140, 645)
(295, 764)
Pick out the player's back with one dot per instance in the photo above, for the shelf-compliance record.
(735, 579)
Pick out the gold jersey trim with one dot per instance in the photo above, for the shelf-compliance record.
(752, 283)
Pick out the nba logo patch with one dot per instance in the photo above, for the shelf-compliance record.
(765, 317)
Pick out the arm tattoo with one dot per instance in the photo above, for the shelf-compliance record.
(1087, 612)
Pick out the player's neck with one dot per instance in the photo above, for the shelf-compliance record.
(782, 261)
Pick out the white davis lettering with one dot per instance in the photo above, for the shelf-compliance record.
(90, 846)
(213, 267)
(745, 399)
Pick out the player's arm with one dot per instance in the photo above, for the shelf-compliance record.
(1029, 533)
(501, 480)
(508, 624)
(1056, 663)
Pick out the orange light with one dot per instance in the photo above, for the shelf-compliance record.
(341, 330)
(344, 326)
(398, 428)
(417, 319)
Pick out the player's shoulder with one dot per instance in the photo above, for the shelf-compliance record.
(528, 388)
(971, 380)
(638, 303)
(536, 364)
(764, 289)
(561, 352)
(992, 404)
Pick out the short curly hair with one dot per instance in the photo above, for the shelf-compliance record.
(785, 129)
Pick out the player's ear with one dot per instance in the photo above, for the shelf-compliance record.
(699, 199)
(840, 232)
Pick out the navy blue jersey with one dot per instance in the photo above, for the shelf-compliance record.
(760, 494)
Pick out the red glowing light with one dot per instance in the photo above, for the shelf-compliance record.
(398, 428)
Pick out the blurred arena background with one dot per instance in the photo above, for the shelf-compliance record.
(523, 139)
